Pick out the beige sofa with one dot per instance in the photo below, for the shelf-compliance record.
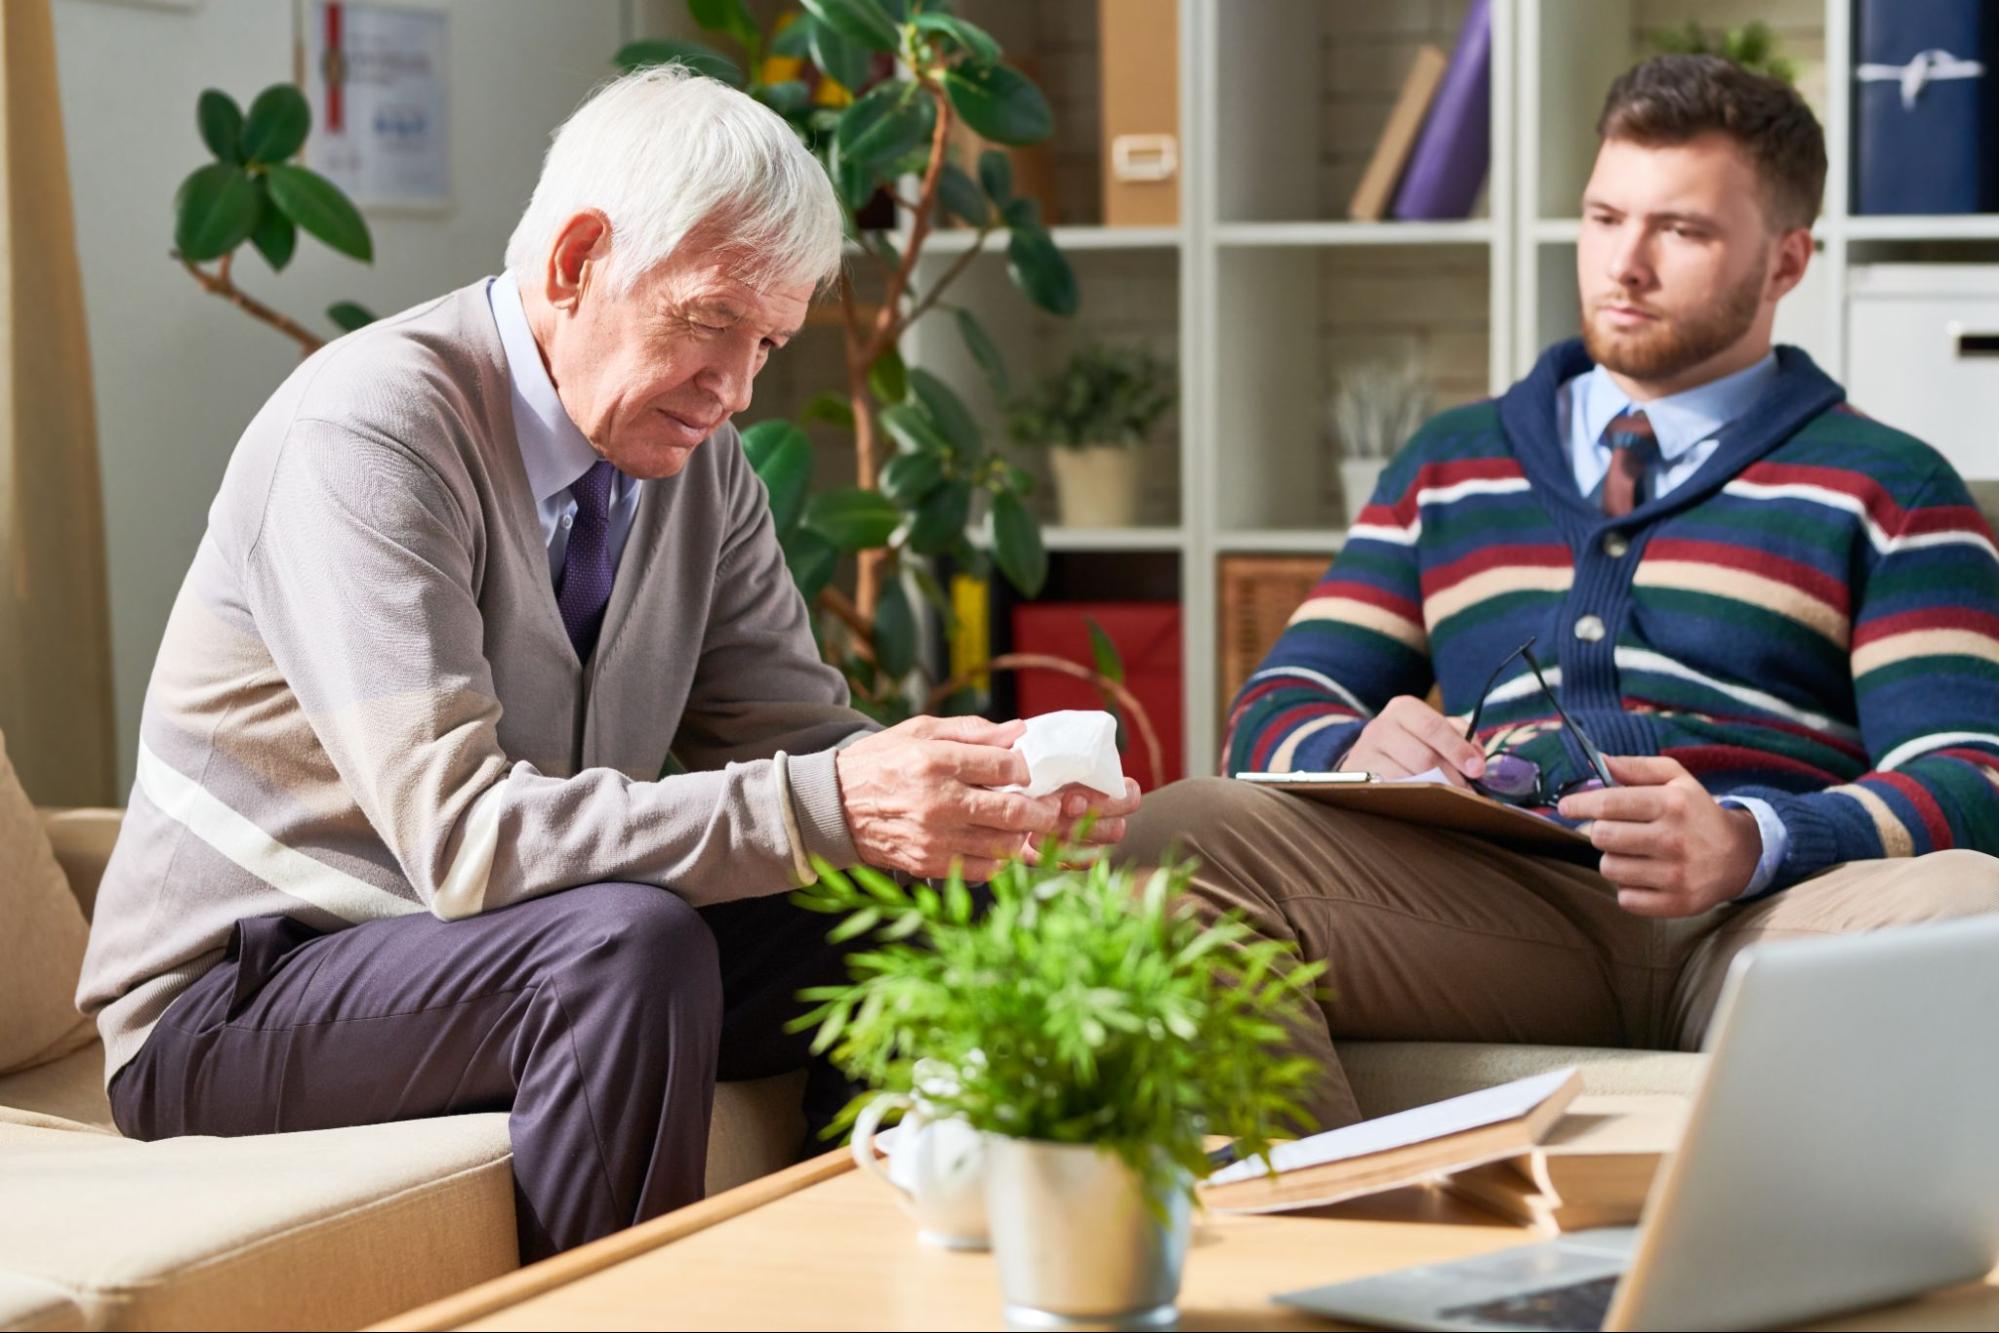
(339, 1228)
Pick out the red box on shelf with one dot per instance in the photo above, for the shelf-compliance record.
(1147, 635)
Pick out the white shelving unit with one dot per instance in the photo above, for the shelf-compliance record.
(1265, 288)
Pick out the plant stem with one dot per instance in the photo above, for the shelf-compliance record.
(220, 284)
(888, 323)
(1135, 710)
(843, 610)
(950, 275)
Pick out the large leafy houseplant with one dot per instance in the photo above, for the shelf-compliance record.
(874, 88)
(1083, 1006)
(254, 191)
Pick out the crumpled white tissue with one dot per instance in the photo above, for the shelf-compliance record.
(1078, 746)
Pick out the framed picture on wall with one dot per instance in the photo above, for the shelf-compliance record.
(375, 75)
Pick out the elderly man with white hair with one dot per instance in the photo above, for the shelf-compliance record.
(399, 844)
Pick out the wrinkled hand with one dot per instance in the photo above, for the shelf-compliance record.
(1410, 737)
(1670, 847)
(1107, 813)
(916, 797)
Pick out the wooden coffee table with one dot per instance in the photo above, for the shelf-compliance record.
(821, 1246)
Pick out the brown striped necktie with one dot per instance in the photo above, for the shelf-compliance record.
(1633, 448)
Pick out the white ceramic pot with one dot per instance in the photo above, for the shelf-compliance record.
(936, 1167)
(1096, 486)
(1358, 478)
(1074, 1240)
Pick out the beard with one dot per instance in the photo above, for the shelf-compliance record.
(1675, 345)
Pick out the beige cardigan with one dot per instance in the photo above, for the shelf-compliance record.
(365, 704)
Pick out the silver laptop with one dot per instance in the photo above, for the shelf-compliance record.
(1839, 1153)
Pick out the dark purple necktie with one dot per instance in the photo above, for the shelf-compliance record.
(584, 589)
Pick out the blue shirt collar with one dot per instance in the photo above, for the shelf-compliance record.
(553, 451)
(1679, 420)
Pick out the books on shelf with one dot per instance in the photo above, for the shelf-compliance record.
(1396, 1150)
(1593, 1170)
(1398, 136)
(1447, 167)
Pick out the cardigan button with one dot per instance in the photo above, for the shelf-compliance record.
(1589, 629)
(1616, 545)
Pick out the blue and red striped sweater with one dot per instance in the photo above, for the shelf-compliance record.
(1811, 619)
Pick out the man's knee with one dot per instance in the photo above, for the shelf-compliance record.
(1183, 818)
(1959, 882)
(641, 939)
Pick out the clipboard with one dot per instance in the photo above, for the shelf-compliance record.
(1436, 804)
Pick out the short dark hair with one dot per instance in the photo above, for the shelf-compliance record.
(1671, 99)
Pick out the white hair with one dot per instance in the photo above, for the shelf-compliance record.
(663, 151)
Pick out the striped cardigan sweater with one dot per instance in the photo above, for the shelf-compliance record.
(1811, 619)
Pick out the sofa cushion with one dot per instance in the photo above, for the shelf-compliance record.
(62, 1094)
(321, 1229)
(1396, 1075)
(41, 949)
(28, 1303)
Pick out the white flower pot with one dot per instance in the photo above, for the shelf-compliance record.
(1358, 478)
(1096, 486)
(1074, 1240)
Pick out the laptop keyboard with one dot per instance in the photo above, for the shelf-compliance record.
(1580, 1305)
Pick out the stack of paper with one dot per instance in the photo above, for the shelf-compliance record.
(1593, 1170)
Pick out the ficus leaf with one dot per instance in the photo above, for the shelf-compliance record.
(781, 457)
(274, 235)
(1000, 103)
(853, 519)
(317, 205)
(1017, 545)
(277, 124)
(861, 21)
(220, 121)
(700, 58)
(350, 315)
(895, 630)
(215, 211)
(1041, 271)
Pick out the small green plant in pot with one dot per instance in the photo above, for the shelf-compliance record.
(1096, 1030)
(1092, 415)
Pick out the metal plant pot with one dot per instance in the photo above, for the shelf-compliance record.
(1076, 1245)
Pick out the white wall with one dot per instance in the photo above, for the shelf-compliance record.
(179, 373)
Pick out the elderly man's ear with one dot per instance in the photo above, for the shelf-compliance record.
(577, 256)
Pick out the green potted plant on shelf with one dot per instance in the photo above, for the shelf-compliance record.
(1092, 415)
(1096, 1030)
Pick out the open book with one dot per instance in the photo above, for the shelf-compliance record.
(1400, 1149)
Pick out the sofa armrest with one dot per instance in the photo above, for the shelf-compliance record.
(82, 839)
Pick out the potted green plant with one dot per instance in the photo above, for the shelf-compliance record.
(1092, 415)
(1097, 1030)
(1376, 406)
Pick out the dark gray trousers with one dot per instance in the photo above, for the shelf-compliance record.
(599, 1018)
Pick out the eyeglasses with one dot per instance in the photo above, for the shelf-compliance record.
(1518, 780)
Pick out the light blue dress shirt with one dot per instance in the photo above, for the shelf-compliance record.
(1688, 427)
(554, 453)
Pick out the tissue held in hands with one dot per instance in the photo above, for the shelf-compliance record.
(1077, 747)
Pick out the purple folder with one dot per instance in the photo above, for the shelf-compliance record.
(1449, 162)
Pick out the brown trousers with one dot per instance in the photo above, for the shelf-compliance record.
(1439, 936)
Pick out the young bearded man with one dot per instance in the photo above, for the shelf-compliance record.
(1780, 619)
